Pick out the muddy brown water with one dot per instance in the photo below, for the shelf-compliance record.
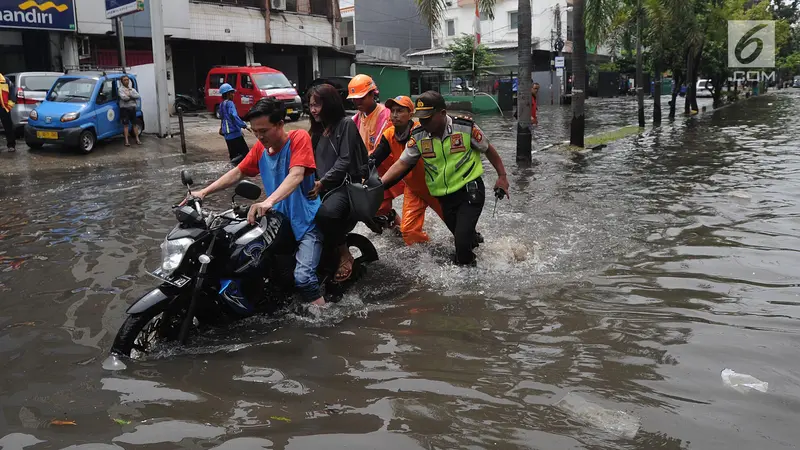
(632, 279)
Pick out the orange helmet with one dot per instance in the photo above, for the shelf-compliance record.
(360, 86)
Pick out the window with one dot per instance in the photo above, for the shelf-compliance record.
(107, 93)
(247, 83)
(513, 20)
(319, 7)
(275, 80)
(40, 83)
(291, 5)
(216, 80)
(451, 27)
(232, 80)
(484, 16)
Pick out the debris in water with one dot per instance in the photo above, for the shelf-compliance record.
(618, 423)
(743, 382)
(21, 324)
(122, 422)
(60, 423)
(281, 418)
(113, 363)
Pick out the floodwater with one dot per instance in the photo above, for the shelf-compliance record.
(610, 295)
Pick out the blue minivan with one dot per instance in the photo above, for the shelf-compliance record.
(80, 109)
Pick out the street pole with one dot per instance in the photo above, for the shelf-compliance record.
(121, 36)
(160, 61)
(552, 65)
(560, 48)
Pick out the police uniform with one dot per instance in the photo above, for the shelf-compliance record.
(453, 167)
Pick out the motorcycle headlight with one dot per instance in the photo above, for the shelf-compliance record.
(172, 252)
(34, 115)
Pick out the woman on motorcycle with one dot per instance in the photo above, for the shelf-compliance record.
(339, 152)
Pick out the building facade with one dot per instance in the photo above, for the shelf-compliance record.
(382, 31)
(298, 37)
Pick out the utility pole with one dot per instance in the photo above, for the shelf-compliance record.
(160, 61)
(559, 48)
(121, 36)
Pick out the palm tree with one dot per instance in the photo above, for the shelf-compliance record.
(524, 101)
(578, 124)
(639, 68)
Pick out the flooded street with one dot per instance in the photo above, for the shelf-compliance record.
(630, 279)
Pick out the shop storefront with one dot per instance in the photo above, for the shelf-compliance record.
(32, 33)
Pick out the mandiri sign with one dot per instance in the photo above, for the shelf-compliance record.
(56, 15)
(116, 8)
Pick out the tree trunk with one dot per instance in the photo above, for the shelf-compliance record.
(690, 84)
(677, 82)
(657, 93)
(698, 58)
(524, 100)
(578, 124)
(639, 69)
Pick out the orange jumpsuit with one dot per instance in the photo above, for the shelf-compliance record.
(416, 198)
(371, 127)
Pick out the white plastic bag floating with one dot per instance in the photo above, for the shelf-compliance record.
(742, 382)
(618, 423)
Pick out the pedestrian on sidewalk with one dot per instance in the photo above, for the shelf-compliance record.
(372, 120)
(534, 104)
(6, 103)
(127, 109)
(231, 125)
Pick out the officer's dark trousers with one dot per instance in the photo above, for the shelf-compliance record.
(461, 214)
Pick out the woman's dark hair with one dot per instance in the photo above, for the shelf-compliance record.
(269, 107)
(332, 108)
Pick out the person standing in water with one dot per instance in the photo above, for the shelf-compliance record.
(127, 109)
(450, 150)
(534, 105)
(372, 120)
(232, 125)
(416, 198)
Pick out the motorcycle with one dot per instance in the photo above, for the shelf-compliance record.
(217, 269)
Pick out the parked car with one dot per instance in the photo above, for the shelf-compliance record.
(80, 109)
(703, 88)
(796, 82)
(340, 83)
(252, 83)
(31, 88)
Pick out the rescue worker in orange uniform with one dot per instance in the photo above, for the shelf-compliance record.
(372, 120)
(6, 103)
(416, 198)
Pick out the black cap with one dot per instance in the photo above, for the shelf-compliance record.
(428, 104)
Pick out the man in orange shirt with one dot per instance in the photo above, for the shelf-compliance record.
(372, 120)
(534, 94)
(416, 197)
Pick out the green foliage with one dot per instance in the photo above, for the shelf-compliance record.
(461, 54)
(432, 11)
(790, 63)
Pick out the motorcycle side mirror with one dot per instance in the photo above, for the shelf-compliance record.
(248, 190)
(186, 178)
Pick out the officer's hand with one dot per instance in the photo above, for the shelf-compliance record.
(502, 183)
(259, 210)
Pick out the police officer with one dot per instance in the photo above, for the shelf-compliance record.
(450, 149)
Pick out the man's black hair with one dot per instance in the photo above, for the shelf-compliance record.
(269, 107)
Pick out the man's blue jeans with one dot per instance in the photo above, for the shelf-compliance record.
(309, 251)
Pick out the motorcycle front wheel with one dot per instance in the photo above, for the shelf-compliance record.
(140, 333)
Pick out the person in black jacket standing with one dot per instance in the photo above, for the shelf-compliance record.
(339, 152)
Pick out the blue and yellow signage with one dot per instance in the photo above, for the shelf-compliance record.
(38, 14)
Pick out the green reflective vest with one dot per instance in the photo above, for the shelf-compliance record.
(452, 163)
